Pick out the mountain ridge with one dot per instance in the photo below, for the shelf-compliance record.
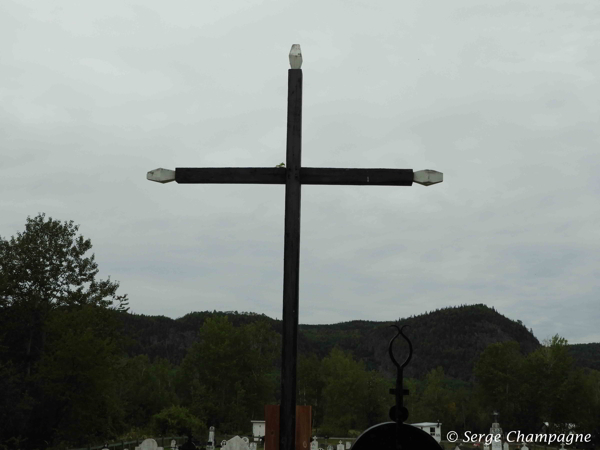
(451, 337)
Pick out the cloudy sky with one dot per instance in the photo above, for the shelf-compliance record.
(500, 96)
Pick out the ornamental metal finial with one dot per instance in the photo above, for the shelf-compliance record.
(398, 412)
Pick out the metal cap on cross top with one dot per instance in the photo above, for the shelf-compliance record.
(293, 176)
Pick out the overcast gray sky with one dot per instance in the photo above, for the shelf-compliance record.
(500, 96)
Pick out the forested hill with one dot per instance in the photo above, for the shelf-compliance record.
(451, 337)
(586, 355)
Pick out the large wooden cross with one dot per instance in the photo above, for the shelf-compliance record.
(293, 175)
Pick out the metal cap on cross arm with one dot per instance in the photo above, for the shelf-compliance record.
(428, 177)
(161, 175)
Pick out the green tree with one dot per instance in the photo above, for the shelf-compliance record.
(41, 269)
(500, 373)
(146, 388)
(554, 387)
(378, 398)
(587, 409)
(44, 273)
(177, 420)
(435, 400)
(345, 393)
(76, 382)
(262, 347)
(309, 386)
(226, 377)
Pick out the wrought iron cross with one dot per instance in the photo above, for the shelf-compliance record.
(293, 175)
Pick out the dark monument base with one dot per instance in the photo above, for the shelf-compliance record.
(383, 437)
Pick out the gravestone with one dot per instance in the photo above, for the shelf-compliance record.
(524, 447)
(149, 444)
(236, 443)
(496, 431)
(173, 444)
(330, 447)
(314, 445)
(211, 437)
(253, 446)
(505, 446)
(348, 445)
(340, 446)
(486, 446)
(189, 444)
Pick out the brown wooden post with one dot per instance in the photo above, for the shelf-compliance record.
(303, 427)
(271, 427)
(291, 262)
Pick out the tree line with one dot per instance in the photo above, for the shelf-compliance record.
(67, 379)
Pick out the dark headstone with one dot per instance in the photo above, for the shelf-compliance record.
(383, 437)
(189, 444)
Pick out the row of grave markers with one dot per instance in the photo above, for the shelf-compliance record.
(236, 443)
(243, 443)
(314, 445)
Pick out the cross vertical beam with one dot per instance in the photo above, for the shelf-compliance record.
(291, 262)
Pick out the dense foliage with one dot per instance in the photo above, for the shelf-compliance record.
(59, 341)
(77, 369)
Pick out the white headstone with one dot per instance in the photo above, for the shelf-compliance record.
(253, 446)
(348, 445)
(524, 447)
(211, 435)
(340, 446)
(149, 444)
(314, 445)
(505, 446)
(486, 446)
(496, 432)
(236, 443)
(173, 444)
(330, 447)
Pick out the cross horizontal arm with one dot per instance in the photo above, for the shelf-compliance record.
(308, 175)
(244, 175)
(374, 177)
